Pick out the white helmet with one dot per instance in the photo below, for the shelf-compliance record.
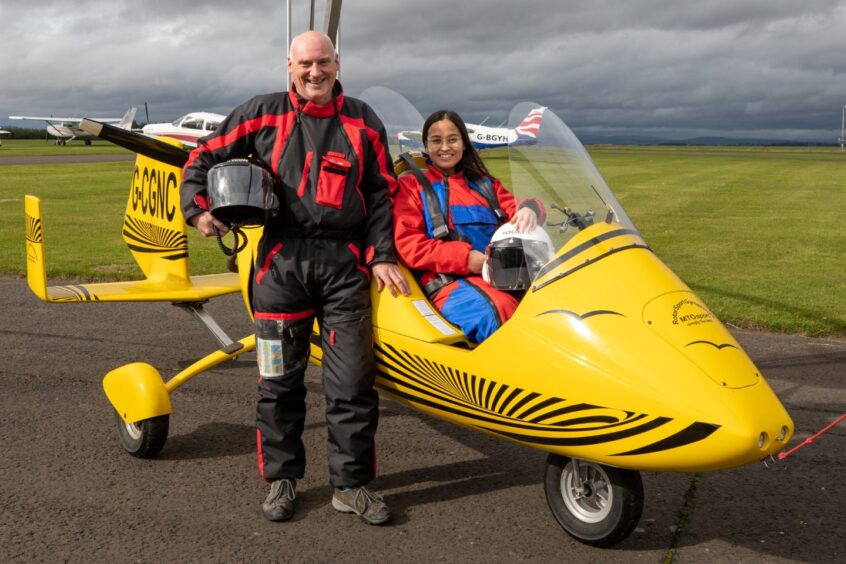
(514, 258)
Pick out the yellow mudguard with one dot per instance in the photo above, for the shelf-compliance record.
(137, 392)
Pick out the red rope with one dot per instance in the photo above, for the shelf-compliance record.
(809, 440)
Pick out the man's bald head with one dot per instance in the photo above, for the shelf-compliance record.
(308, 37)
(313, 64)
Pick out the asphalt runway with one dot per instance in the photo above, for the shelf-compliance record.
(70, 493)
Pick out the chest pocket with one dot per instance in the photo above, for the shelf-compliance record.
(476, 222)
(332, 180)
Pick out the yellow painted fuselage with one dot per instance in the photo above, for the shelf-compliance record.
(609, 357)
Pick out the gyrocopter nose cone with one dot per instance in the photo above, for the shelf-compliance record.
(682, 319)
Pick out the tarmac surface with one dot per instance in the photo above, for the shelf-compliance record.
(70, 493)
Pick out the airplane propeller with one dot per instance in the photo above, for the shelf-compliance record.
(147, 146)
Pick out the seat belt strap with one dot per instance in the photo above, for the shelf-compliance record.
(440, 229)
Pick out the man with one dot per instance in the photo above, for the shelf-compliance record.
(329, 153)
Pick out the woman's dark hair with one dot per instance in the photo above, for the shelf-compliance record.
(471, 163)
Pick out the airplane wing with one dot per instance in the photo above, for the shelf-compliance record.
(410, 136)
(47, 118)
(76, 120)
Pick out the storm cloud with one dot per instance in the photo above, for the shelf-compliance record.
(735, 68)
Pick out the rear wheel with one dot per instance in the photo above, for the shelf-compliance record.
(596, 504)
(145, 438)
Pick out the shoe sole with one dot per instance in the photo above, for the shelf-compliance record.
(344, 508)
(277, 518)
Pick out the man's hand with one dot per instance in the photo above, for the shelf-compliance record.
(389, 275)
(525, 220)
(204, 222)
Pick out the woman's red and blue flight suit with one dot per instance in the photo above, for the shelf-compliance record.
(467, 301)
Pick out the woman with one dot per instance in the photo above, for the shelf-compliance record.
(472, 204)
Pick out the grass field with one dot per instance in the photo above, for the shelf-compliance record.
(756, 232)
(40, 147)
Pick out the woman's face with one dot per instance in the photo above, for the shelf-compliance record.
(444, 146)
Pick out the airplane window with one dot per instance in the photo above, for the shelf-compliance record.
(176, 122)
(193, 123)
(211, 125)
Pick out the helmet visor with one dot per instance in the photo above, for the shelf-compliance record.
(241, 193)
(507, 267)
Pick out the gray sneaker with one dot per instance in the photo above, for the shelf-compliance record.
(364, 503)
(279, 504)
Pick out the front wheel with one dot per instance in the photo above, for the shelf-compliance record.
(596, 504)
(145, 438)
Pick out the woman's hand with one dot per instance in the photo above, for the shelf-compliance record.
(525, 220)
(475, 262)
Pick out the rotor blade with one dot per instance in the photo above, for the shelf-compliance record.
(147, 146)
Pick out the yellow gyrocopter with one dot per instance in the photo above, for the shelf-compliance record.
(611, 364)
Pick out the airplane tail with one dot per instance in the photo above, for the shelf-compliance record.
(153, 226)
(527, 130)
(157, 236)
(127, 119)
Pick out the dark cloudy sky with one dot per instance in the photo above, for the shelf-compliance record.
(673, 68)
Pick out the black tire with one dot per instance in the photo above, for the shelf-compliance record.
(145, 438)
(606, 512)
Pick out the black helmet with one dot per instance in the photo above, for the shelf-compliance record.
(241, 193)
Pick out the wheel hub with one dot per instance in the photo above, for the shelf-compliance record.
(587, 496)
(133, 430)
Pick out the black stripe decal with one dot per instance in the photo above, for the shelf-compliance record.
(588, 263)
(522, 402)
(691, 434)
(584, 441)
(538, 406)
(583, 247)
(564, 411)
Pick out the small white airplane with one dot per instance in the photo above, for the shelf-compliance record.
(187, 129)
(2, 133)
(484, 137)
(66, 129)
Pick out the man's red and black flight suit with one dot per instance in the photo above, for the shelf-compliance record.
(313, 262)
(464, 299)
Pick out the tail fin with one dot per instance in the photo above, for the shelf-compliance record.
(156, 234)
(36, 272)
(127, 119)
(153, 226)
(528, 129)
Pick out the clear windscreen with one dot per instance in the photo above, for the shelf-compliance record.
(547, 162)
(403, 123)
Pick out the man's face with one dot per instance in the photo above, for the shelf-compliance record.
(314, 68)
